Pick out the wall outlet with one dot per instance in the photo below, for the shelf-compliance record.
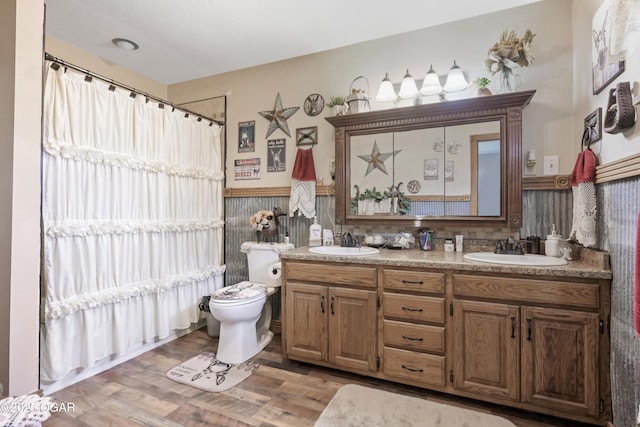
(551, 165)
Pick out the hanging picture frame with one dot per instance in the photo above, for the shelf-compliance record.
(592, 127)
(448, 171)
(276, 155)
(430, 169)
(307, 136)
(604, 68)
(246, 137)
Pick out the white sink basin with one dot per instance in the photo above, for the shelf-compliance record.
(342, 251)
(527, 259)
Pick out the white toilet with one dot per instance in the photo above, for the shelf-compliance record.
(244, 309)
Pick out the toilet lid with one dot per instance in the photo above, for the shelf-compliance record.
(240, 292)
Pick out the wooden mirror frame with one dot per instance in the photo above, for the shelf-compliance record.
(506, 108)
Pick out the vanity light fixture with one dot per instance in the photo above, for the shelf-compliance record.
(125, 44)
(431, 83)
(386, 93)
(408, 88)
(530, 161)
(455, 80)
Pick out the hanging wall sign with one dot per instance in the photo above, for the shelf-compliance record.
(276, 155)
(246, 137)
(246, 169)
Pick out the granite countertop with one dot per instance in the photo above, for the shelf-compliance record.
(590, 266)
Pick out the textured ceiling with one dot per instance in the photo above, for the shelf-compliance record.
(182, 40)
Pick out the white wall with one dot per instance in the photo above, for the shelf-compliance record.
(549, 120)
(20, 121)
(612, 147)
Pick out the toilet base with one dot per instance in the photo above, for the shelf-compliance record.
(237, 347)
(240, 341)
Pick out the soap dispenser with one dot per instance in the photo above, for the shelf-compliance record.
(551, 244)
(315, 233)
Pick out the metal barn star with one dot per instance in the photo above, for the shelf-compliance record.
(278, 117)
(376, 159)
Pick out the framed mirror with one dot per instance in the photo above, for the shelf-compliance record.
(454, 162)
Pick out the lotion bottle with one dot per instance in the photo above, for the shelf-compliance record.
(315, 233)
(551, 244)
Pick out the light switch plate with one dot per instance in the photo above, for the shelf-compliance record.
(551, 165)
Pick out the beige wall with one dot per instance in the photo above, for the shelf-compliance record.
(20, 76)
(549, 120)
(88, 61)
(612, 147)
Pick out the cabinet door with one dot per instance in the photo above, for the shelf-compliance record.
(306, 307)
(486, 354)
(352, 329)
(559, 360)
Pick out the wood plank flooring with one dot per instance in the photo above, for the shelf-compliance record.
(281, 393)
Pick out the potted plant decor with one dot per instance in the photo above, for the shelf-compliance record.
(482, 83)
(338, 105)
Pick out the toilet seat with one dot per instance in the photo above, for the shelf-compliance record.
(241, 293)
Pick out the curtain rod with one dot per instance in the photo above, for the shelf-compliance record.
(133, 90)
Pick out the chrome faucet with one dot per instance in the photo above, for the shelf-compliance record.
(510, 246)
(349, 242)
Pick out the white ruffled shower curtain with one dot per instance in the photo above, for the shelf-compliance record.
(132, 216)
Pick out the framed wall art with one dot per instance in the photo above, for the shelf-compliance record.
(307, 136)
(604, 68)
(430, 169)
(448, 171)
(592, 127)
(244, 169)
(276, 155)
(246, 137)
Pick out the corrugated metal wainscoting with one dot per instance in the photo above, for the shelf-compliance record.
(618, 207)
(542, 208)
(238, 210)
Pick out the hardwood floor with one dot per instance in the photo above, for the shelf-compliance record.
(280, 393)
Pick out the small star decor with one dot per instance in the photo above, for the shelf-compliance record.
(278, 117)
(376, 159)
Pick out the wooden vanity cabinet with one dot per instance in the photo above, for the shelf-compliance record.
(331, 315)
(413, 327)
(524, 351)
(537, 343)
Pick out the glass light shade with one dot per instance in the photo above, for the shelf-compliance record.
(431, 83)
(386, 93)
(455, 80)
(408, 88)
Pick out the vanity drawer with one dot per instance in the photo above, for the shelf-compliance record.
(527, 290)
(412, 307)
(414, 337)
(413, 281)
(332, 274)
(417, 367)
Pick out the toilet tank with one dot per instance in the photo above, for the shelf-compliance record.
(261, 257)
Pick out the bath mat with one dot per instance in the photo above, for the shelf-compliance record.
(208, 373)
(357, 406)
